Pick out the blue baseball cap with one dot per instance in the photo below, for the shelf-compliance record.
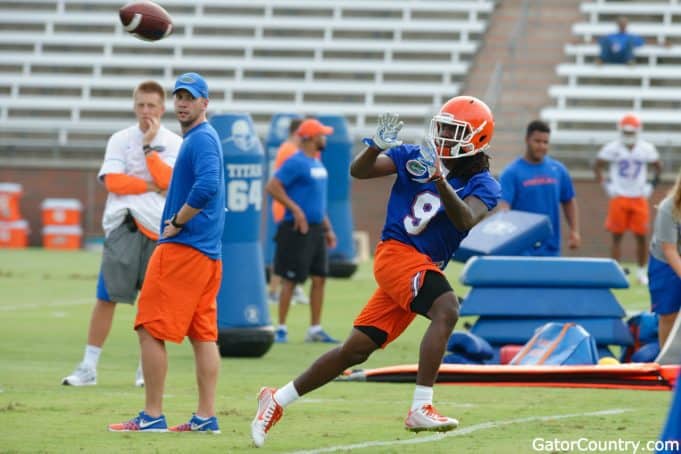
(193, 83)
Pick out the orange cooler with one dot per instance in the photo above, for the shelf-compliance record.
(10, 193)
(62, 236)
(14, 234)
(61, 212)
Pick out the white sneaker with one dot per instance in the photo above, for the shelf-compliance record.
(269, 412)
(642, 277)
(82, 376)
(299, 296)
(426, 417)
(139, 377)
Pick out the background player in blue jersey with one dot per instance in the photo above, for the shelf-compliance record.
(440, 192)
(540, 184)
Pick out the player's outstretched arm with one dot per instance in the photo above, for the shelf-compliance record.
(370, 163)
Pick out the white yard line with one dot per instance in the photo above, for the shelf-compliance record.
(460, 432)
(21, 307)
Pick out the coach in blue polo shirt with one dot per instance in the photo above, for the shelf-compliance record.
(303, 236)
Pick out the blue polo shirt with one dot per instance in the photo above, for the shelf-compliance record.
(198, 180)
(305, 181)
(619, 47)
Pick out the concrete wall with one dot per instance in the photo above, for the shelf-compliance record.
(369, 200)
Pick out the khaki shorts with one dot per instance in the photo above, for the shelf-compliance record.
(124, 264)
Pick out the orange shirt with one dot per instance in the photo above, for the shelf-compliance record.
(285, 151)
(123, 184)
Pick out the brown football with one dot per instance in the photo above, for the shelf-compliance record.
(146, 20)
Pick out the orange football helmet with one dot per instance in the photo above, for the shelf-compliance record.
(463, 127)
(630, 126)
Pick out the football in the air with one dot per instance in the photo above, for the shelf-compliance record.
(146, 20)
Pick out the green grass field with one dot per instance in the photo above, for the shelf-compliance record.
(45, 304)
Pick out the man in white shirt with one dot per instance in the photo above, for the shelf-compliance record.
(628, 188)
(136, 172)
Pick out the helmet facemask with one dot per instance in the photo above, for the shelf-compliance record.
(628, 135)
(457, 143)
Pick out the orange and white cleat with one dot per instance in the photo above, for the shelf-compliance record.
(269, 412)
(426, 417)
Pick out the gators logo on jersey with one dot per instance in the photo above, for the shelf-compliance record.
(416, 168)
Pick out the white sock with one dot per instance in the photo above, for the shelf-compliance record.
(91, 356)
(286, 394)
(422, 395)
(282, 327)
(314, 329)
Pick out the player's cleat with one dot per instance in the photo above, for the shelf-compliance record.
(299, 296)
(269, 412)
(426, 417)
(139, 377)
(199, 425)
(642, 277)
(320, 336)
(141, 423)
(82, 376)
(280, 336)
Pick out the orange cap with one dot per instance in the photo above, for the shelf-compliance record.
(313, 127)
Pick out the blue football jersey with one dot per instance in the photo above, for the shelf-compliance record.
(416, 215)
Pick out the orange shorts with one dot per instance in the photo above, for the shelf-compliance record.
(399, 270)
(179, 293)
(628, 213)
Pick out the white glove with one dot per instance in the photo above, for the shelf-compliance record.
(430, 161)
(648, 190)
(389, 126)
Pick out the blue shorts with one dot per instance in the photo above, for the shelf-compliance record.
(664, 287)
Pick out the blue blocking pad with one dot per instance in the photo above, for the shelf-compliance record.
(541, 301)
(470, 346)
(501, 331)
(505, 233)
(336, 158)
(543, 272)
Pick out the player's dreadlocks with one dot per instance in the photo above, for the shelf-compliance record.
(465, 167)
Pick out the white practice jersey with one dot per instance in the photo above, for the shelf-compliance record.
(124, 154)
(629, 168)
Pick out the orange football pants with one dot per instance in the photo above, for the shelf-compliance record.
(399, 270)
(628, 213)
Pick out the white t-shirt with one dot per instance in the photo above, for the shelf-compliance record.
(628, 168)
(124, 154)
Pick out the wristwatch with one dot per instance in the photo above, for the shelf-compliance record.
(148, 149)
(174, 222)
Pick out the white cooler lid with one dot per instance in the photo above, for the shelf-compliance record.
(10, 187)
(21, 224)
(69, 204)
(62, 230)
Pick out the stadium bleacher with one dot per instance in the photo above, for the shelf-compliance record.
(594, 96)
(67, 68)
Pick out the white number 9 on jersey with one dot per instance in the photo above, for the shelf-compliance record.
(425, 207)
